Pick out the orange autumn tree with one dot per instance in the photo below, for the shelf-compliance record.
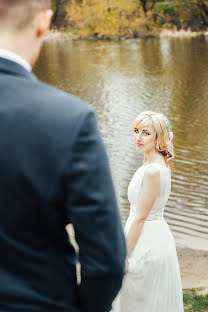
(109, 18)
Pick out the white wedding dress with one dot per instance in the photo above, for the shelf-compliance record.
(153, 282)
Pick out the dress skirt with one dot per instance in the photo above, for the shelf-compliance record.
(153, 282)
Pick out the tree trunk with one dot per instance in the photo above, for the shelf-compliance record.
(202, 5)
(204, 11)
(59, 17)
(57, 6)
(144, 5)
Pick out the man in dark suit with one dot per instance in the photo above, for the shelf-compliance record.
(53, 171)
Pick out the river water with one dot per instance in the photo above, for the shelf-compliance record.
(121, 79)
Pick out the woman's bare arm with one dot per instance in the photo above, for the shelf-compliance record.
(149, 192)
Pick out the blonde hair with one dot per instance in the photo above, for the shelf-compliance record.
(162, 128)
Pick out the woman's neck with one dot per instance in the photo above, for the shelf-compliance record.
(153, 156)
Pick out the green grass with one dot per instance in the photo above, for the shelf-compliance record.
(170, 7)
(194, 302)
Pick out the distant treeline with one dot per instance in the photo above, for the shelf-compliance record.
(128, 18)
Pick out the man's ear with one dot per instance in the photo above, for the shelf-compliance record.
(42, 22)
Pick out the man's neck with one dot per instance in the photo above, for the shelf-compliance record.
(23, 44)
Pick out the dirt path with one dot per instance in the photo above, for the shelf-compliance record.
(194, 268)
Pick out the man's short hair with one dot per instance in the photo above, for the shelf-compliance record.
(19, 13)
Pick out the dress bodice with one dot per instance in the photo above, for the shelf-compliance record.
(135, 186)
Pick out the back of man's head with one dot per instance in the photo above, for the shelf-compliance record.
(15, 15)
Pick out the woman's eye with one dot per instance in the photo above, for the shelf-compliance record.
(136, 130)
(146, 133)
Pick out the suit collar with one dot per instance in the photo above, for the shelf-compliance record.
(12, 68)
(12, 56)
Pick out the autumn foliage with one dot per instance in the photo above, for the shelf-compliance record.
(132, 18)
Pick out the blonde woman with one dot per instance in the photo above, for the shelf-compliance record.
(152, 282)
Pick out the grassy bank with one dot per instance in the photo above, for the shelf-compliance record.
(194, 301)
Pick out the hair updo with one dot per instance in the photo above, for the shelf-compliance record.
(163, 131)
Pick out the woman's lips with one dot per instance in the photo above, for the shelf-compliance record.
(139, 144)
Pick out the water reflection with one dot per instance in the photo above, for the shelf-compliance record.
(121, 79)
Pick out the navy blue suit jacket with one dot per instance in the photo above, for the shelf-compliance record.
(54, 171)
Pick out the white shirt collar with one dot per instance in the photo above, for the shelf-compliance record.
(9, 55)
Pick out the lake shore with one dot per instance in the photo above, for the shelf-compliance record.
(194, 268)
(62, 35)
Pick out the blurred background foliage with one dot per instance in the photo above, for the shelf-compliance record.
(128, 18)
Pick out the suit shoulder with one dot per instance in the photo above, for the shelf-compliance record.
(61, 100)
(57, 110)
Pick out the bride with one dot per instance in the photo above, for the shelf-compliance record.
(152, 282)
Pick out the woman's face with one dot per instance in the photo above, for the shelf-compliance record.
(145, 138)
